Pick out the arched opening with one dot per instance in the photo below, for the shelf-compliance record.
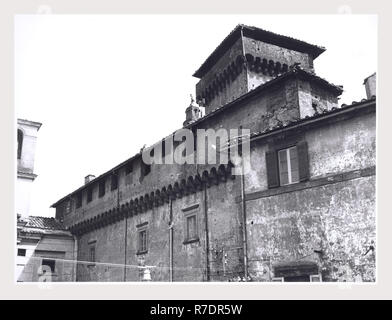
(20, 143)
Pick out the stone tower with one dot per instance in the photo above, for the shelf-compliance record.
(247, 58)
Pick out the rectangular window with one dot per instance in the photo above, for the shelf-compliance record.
(114, 182)
(142, 240)
(48, 263)
(92, 254)
(21, 252)
(191, 227)
(129, 167)
(68, 207)
(89, 194)
(79, 200)
(288, 166)
(101, 187)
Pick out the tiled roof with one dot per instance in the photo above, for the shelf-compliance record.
(316, 115)
(44, 223)
(258, 34)
(294, 70)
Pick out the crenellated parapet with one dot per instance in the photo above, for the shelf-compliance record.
(251, 63)
(159, 197)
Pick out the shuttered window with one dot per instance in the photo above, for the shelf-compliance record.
(287, 166)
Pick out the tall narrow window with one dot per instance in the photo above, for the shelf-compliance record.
(288, 166)
(191, 233)
(114, 181)
(20, 143)
(142, 241)
(79, 199)
(128, 168)
(101, 187)
(92, 254)
(89, 194)
(68, 206)
(191, 227)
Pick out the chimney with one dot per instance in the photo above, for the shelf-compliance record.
(88, 178)
(370, 85)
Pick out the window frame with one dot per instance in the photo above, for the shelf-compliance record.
(189, 213)
(142, 246)
(114, 181)
(89, 194)
(79, 200)
(21, 250)
(289, 168)
(101, 187)
(20, 138)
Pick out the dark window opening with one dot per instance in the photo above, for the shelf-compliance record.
(89, 194)
(191, 228)
(101, 188)
(79, 200)
(48, 263)
(114, 181)
(22, 252)
(142, 241)
(20, 143)
(145, 169)
(129, 167)
(68, 207)
(92, 254)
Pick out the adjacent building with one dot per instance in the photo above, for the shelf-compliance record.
(305, 211)
(45, 249)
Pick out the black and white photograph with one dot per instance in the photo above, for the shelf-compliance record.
(195, 148)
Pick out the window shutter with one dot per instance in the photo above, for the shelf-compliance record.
(272, 169)
(303, 161)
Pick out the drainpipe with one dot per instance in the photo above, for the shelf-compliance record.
(244, 231)
(75, 256)
(125, 247)
(171, 240)
(206, 234)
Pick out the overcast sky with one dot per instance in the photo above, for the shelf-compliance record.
(104, 85)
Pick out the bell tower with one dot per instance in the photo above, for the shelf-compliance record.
(26, 142)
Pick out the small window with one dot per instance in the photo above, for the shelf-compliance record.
(89, 194)
(288, 166)
(114, 181)
(68, 207)
(191, 227)
(315, 278)
(20, 143)
(142, 240)
(92, 254)
(145, 169)
(48, 263)
(21, 252)
(79, 200)
(101, 188)
(129, 168)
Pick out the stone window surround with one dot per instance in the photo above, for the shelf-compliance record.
(142, 227)
(191, 211)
